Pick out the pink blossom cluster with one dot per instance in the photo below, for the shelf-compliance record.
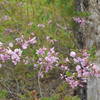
(4, 57)
(8, 54)
(72, 82)
(47, 59)
(25, 43)
(64, 67)
(83, 69)
(41, 51)
(76, 68)
(79, 20)
(15, 55)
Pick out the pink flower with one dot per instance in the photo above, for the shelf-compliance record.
(18, 52)
(32, 41)
(72, 54)
(79, 59)
(76, 60)
(97, 75)
(11, 44)
(94, 67)
(81, 21)
(15, 58)
(41, 51)
(80, 73)
(96, 70)
(25, 45)
(41, 25)
(51, 59)
(78, 68)
(64, 67)
(15, 55)
(4, 57)
(48, 59)
(86, 74)
(52, 50)
(85, 54)
(73, 83)
(48, 68)
(20, 39)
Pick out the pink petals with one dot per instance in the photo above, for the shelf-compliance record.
(75, 68)
(41, 51)
(31, 41)
(14, 56)
(72, 54)
(47, 60)
(83, 69)
(25, 43)
(79, 20)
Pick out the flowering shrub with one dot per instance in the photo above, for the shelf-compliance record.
(75, 69)
(47, 60)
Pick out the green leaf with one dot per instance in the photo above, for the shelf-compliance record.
(3, 93)
(68, 73)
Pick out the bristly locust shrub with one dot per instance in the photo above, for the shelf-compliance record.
(75, 68)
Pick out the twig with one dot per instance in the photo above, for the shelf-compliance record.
(39, 83)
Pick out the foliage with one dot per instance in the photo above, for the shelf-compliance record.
(3, 94)
(71, 98)
(65, 98)
(28, 26)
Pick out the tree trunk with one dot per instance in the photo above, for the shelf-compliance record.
(92, 38)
